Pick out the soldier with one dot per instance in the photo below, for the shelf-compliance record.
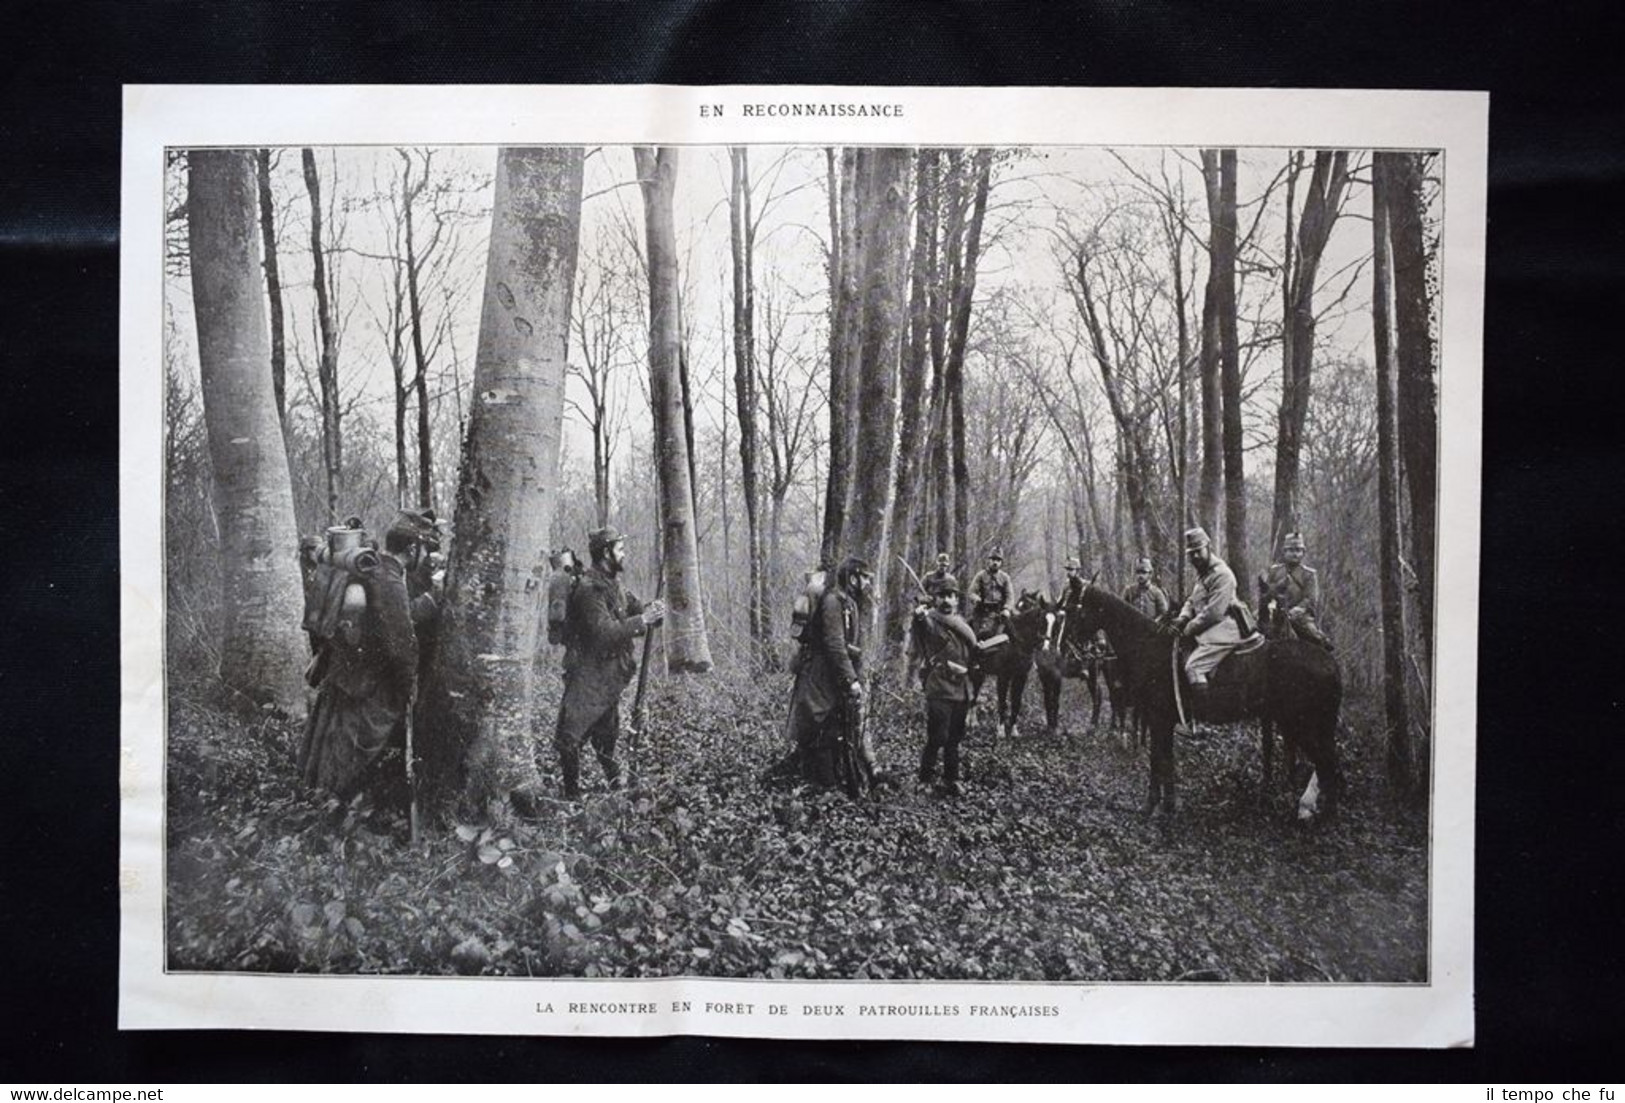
(828, 689)
(603, 621)
(356, 732)
(1072, 589)
(943, 643)
(933, 584)
(991, 595)
(1208, 613)
(1289, 594)
(1145, 595)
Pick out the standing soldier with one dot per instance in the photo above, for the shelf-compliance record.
(943, 644)
(1145, 595)
(603, 621)
(991, 595)
(1209, 615)
(366, 672)
(1289, 594)
(828, 693)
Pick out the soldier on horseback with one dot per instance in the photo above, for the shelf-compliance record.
(1212, 616)
(938, 581)
(1289, 595)
(992, 595)
(1145, 595)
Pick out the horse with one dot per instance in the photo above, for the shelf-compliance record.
(1012, 662)
(1292, 684)
(1065, 652)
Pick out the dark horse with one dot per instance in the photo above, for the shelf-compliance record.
(1010, 663)
(1066, 651)
(1292, 684)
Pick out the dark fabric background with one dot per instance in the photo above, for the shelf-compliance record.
(1550, 792)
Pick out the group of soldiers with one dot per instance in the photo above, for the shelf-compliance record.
(373, 627)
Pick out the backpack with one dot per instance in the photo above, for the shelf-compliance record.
(561, 586)
(805, 607)
(335, 596)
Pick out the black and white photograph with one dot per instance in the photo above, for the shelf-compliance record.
(943, 566)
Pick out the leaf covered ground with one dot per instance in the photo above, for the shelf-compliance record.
(1043, 870)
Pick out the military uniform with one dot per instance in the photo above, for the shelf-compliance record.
(826, 666)
(1148, 598)
(944, 643)
(1207, 613)
(939, 582)
(991, 599)
(604, 621)
(1289, 594)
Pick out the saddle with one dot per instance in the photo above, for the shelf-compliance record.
(1237, 686)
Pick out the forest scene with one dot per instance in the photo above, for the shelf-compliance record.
(752, 363)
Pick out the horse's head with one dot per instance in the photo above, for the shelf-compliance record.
(1085, 613)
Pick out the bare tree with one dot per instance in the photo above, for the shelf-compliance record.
(1219, 171)
(327, 371)
(845, 311)
(479, 685)
(688, 649)
(273, 282)
(1396, 705)
(1328, 184)
(742, 237)
(262, 653)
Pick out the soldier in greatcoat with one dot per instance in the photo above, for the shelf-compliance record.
(944, 643)
(826, 700)
(356, 730)
(1289, 593)
(603, 621)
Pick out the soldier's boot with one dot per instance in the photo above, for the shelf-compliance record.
(612, 769)
(570, 772)
(1196, 699)
(928, 764)
(950, 772)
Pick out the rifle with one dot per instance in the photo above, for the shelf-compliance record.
(639, 699)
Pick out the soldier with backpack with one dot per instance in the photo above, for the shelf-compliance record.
(603, 620)
(368, 613)
(826, 702)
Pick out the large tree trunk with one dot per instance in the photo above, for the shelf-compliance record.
(327, 370)
(479, 688)
(1211, 492)
(688, 649)
(884, 237)
(742, 236)
(964, 293)
(1396, 709)
(1320, 209)
(1224, 275)
(262, 651)
(1418, 393)
(273, 285)
(846, 308)
(907, 511)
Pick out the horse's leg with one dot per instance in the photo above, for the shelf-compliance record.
(1049, 680)
(1162, 767)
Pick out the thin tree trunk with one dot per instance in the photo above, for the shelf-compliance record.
(688, 648)
(1320, 209)
(421, 380)
(911, 436)
(327, 371)
(273, 285)
(1212, 484)
(480, 684)
(742, 234)
(958, 339)
(1235, 474)
(262, 651)
(1396, 705)
(1418, 393)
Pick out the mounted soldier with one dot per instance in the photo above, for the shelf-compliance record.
(992, 597)
(1212, 615)
(1144, 594)
(944, 643)
(1289, 595)
(937, 582)
(604, 618)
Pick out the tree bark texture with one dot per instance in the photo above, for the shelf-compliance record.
(327, 370)
(410, 195)
(1418, 392)
(263, 650)
(479, 688)
(1322, 200)
(910, 519)
(1396, 706)
(1224, 264)
(742, 237)
(845, 321)
(963, 274)
(273, 285)
(688, 649)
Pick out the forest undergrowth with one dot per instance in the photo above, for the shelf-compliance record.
(1043, 870)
